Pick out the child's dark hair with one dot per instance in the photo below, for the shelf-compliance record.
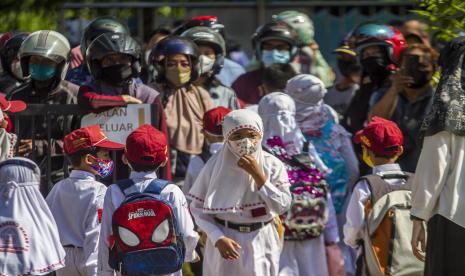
(275, 77)
(75, 158)
(143, 168)
(395, 150)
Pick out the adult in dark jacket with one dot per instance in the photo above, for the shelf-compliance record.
(44, 58)
(113, 60)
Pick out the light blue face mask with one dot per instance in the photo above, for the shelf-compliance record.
(41, 72)
(270, 57)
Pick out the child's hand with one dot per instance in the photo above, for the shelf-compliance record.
(418, 238)
(228, 248)
(251, 166)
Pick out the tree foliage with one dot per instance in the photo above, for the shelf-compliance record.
(446, 18)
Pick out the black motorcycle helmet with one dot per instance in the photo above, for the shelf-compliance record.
(112, 43)
(101, 25)
(172, 45)
(10, 51)
(208, 36)
(274, 30)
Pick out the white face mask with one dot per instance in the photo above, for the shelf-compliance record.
(206, 64)
(16, 70)
(245, 146)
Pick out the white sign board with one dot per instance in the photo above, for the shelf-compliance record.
(117, 123)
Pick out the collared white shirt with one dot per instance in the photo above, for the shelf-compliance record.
(75, 203)
(172, 193)
(355, 222)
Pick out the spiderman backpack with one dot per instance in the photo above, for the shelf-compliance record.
(146, 238)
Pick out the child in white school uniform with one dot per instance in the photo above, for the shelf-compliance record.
(146, 151)
(77, 201)
(236, 199)
(310, 227)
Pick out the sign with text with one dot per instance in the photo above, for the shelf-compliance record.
(117, 123)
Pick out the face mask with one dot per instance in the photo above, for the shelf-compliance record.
(376, 68)
(420, 77)
(274, 56)
(366, 157)
(206, 64)
(348, 68)
(178, 76)
(104, 168)
(117, 74)
(244, 146)
(16, 70)
(41, 72)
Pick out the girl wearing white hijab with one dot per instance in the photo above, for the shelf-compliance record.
(29, 240)
(302, 254)
(319, 125)
(236, 200)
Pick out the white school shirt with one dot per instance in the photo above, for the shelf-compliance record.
(355, 214)
(172, 193)
(196, 164)
(75, 203)
(277, 200)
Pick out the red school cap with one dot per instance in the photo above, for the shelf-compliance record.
(86, 137)
(381, 136)
(146, 146)
(213, 119)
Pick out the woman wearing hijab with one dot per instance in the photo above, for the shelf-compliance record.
(439, 178)
(305, 235)
(29, 239)
(177, 62)
(319, 125)
(236, 200)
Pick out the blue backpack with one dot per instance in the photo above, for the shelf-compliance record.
(146, 238)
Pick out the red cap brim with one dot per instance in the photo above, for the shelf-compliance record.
(15, 106)
(107, 144)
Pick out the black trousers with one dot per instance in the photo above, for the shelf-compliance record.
(445, 248)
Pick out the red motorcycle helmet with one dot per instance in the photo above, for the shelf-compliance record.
(369, 34)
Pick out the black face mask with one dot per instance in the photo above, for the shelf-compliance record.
(117, 74)
(376, 68)
(421, 77)
(348, 68)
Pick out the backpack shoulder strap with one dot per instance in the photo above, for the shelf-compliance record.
(156, 186)
(379, 186)
(409, 183)
(124, 184)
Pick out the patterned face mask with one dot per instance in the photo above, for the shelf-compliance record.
(104, 168)
(245, 146)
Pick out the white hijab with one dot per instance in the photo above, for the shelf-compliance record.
(278, 114)
(308, 92)
(29, 239)
(277, 111)
(222, 186)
